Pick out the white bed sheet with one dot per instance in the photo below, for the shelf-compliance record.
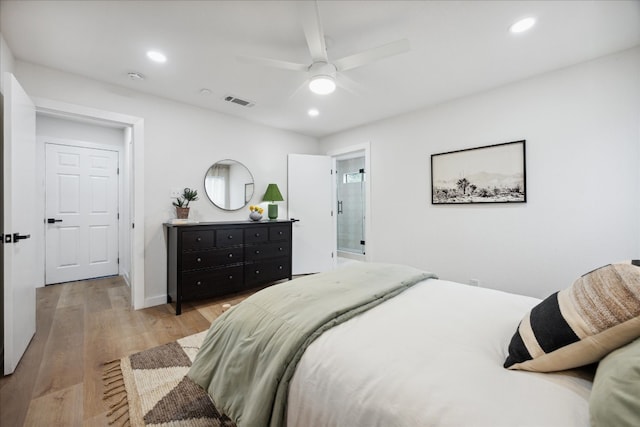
(432, 356)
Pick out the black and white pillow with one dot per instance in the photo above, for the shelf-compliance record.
(580, 325)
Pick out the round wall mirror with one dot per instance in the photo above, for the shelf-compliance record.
(229, 185)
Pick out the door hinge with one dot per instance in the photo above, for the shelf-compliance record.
(331, 254)
(362, 242)
(118, 215)
(133, 225)
(361, 170)
(118, 261)
(117, 171)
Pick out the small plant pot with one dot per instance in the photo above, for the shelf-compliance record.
(182, 213)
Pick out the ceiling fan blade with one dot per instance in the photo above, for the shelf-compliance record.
(313, 32)
(371, 55)
(300, 88)
(277, 63)
(349, 85)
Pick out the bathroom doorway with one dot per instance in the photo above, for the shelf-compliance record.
(351, 205)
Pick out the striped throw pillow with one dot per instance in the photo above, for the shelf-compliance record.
(580, 325)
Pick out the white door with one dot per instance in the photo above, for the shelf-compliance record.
(310, 201)
(81, 212)
(20, 201)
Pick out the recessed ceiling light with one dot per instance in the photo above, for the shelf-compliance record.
(204, 91)
(313, 112)
(135, 76)
(156, 56)
(322, 85)
(522, 25)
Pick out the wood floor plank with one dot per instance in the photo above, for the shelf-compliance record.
(80, 326)
(64, 356)
(93, 389)
(73, 294)
(60, 408)
(16, 390)
(62, 365)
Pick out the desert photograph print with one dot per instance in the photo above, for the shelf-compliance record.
(489, 174)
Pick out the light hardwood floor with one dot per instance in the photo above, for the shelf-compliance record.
(80, 326)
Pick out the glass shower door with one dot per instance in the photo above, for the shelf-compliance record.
(351, 201)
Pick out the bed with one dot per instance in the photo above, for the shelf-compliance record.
(425, 352)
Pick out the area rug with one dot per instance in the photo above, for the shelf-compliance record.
(151, 388)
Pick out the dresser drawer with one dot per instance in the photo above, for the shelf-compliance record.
(267, 250)
(280, 232)
(212, 258)
(210, 283)
(264, 272)
(228, 237)
(256, 234)
(198, 239)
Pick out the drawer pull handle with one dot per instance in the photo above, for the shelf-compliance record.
(279, 267)
(230, 237)
(257, 252)
(257, 234)
(257, 271)
(198, 239)
(281, 249)
(199, 260)
(230, 255)
(230, 277)
(280, 233)
(198, 283)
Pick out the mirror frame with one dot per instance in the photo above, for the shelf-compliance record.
(248, 185)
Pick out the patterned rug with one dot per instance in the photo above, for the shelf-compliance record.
(150, 388)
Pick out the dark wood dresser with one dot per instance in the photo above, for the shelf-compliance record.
(209, 259)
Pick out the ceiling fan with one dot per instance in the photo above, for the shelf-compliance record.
(322, 72)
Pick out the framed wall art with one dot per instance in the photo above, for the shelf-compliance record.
(489, 174)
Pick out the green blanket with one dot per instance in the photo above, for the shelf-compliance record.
(250, 352)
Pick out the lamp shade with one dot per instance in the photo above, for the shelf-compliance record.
(272, 194)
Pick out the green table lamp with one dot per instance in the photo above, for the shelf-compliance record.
(272, 195)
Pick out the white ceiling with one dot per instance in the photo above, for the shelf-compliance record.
(457, 48)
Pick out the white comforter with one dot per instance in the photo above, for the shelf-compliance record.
(431, 356)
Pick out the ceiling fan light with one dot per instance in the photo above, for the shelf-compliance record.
(322, 85)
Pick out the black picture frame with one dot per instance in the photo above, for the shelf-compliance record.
(488, 174)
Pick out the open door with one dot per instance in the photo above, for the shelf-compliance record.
(310, 201)
(20, 195)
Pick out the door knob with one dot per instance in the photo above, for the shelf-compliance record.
(18, 236)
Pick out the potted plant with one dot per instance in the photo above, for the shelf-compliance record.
(256, 213)
(182, 202)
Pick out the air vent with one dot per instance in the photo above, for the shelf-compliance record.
(242, 102)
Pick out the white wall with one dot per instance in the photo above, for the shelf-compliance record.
(583, 180)
(79, 131)
(181, 142)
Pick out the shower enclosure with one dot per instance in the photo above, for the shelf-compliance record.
(350, 191)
